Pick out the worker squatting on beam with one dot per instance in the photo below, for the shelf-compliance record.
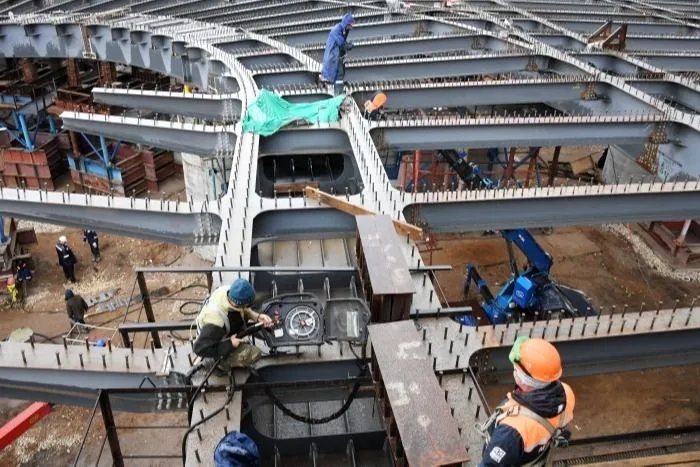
(337, 45)
(524, 428)
(224, 315)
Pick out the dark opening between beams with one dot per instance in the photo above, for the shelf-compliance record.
(285, 174)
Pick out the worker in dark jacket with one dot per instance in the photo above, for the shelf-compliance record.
(76, 308)
(524, 428)
(337, 45)
(90, 236)
(24, 278)
(66, 258)
(224, 314)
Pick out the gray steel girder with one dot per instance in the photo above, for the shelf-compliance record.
(511, 132)
(418, 46)
(203, 140)
(672, 62)
(670, 90)
(213, 107)
(551, 208)
(73, 374)
(671, 44)
(187, 228)
(365, 31)
(588, 27)
(457, 66)
(306, 141)
(551, 92)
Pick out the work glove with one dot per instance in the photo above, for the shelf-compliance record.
(349, 45)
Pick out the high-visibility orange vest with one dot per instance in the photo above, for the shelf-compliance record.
(532, 432)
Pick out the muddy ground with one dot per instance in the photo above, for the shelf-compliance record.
(601, 264)
(595, 261)
(56, 439)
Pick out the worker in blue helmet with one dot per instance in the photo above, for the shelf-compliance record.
(225, 313)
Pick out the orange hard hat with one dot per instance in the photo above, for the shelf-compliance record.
(538, 358)
(10, 280)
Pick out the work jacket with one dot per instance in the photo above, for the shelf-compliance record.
(217, 322)
(65, 255)
(336, 46)
(76, 308)
(518, 437)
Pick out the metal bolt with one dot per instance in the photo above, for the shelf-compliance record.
(148, 363)
(430, 348)
(104, 361)
(24, 358)
(58, 359)
(452, 343)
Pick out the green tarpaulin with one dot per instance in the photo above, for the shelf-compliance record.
(269, 112)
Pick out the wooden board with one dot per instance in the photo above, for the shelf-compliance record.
(299, 187)
(416, 233)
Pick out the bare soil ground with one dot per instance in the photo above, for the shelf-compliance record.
(597, 262)
(55, 440)
(608, 269)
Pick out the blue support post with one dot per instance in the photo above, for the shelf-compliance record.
(28, 144)
(3, 238)
(105, 151)
(52, 125)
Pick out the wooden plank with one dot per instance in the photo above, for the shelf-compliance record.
(298, 187)
(385, 262)
(416, 233)
(428, 431)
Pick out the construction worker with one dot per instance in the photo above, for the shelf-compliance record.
(90, 236)
(532, 419)
(24, 277)
(223, 315)
(374, 106)
(76, 307)
(12, 291)
(66, 258)
(337, 45)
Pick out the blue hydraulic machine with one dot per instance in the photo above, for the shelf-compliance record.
(529, 294)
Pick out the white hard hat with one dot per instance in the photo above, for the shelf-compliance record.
(62, 239)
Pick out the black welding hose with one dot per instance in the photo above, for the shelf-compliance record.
(231, 392)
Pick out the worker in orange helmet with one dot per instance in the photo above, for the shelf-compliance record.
(374, 106)
(532, 420)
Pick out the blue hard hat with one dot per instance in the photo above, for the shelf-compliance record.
(68, 294)
(241, 292)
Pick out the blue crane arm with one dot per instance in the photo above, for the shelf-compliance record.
(537, 257)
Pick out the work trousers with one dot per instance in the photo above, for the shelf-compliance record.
(69, 272)
(243, 356)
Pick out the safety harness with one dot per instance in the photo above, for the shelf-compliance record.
(558, 437)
